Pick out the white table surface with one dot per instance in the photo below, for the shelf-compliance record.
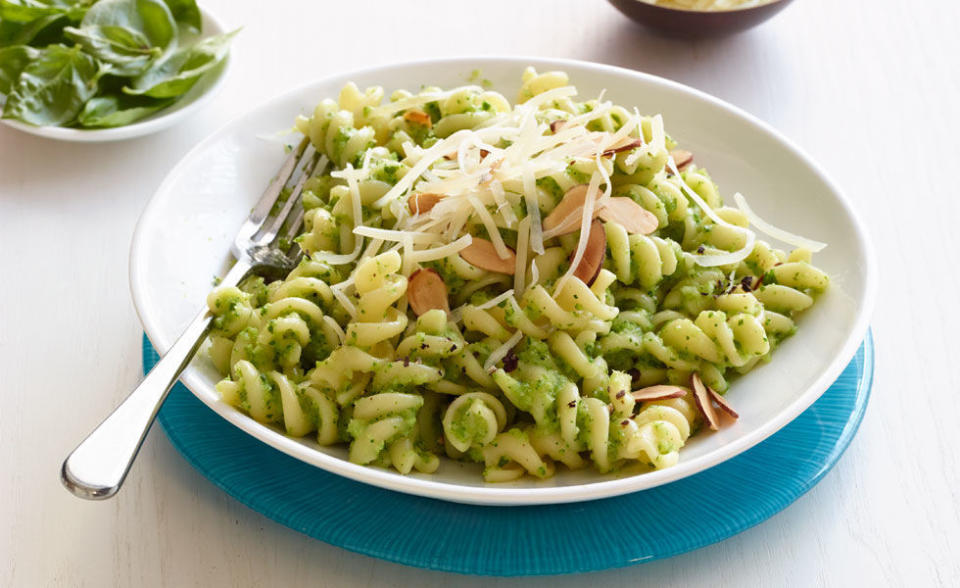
(868, 88)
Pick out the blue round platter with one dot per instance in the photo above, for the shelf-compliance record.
(515, 541)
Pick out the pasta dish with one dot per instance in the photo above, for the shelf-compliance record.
(518, 285)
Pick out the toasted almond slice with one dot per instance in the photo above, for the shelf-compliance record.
(557, 125)
(702, 396)
(722, 403)
(418, 117)
(565, 212)
(681, 159)
(483, 254)
(593, 254)
(422, 203)
(659, 392)
(624, 211)
(426, 291)
(626, 144)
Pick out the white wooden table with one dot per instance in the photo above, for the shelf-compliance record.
(868, 88)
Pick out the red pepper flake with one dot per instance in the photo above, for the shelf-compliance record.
(621, 393)
(406, 361)
(572, 404)
(624, 423)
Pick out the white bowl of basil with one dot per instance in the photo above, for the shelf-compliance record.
(105, 70)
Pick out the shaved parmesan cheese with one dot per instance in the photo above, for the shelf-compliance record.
(523, 241)
(429, 157)
(585, 222)
(329, 320)
(658, 138)
(500, 352)
(442, 251)
(503, 207)
(344, 301)
(351, 175)
(533, 209)
(772, 231)
(393, 235)
(372, 248)
(495, 301)
(502, 251)
(718, 259)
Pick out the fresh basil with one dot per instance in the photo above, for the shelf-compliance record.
(186, 13)
(13, 60)
(27, 11)
(176, 74)
(53, 88)
(100, 63)
(126, 34)
(117, 111)
(14, 33)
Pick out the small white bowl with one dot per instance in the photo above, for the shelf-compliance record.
(199, 95)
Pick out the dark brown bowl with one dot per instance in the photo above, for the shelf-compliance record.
(696, 23)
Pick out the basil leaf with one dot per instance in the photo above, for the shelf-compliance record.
(27, 11)
(53, 87)
(176, 74)
(116, 111)
(125, 51)
(186, 13)
(12, 33)
(13, 60)
(126, 34)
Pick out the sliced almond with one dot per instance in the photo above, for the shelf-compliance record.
(557, 125)
(659, 392)
(624, 211)
(568, 213)
(483, 254)
(426, 291)
(593, 254)
(624, 145)
(681, 159)
(722, 403)
(418, 117)
(421, 203)
(702, 396)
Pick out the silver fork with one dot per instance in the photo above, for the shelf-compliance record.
(97, 467)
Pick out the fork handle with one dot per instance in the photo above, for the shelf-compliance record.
(97, 467)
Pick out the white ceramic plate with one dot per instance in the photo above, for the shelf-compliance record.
(200, 94)
(183, 237)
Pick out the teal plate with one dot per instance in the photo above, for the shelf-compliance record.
(515, 541)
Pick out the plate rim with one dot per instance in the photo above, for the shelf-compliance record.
(518, 496)
(213, 26)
